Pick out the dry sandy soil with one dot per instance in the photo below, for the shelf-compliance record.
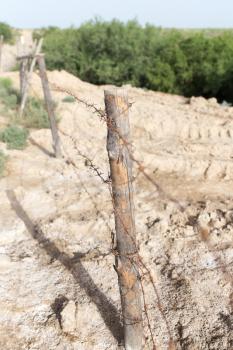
(10, 52)
(58, 288)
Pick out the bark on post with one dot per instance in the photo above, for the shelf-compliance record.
(23, 76)
(28, 81)
(117, 107)
(1, 50)
(49, 106)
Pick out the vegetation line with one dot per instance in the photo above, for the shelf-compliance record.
(185, 62)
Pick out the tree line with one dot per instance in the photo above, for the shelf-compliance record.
(7, 32)
(190, 63)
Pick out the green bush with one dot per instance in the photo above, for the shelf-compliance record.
(35, 114)
(6, 84)
(9, 97)
(7, 32)
(69, 99)
(176, 61)
(3, 159)
(15, 137)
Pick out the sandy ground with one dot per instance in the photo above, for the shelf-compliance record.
(22, 47)
(58, 288)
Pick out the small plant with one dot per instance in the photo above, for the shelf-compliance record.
(7, 32)
(8, 95)
(15, 137)
(69, 99)
(3, 159)
(35, 115)
(6, 83)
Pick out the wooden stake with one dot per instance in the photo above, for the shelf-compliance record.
(28, 81)
(117, 107)
(23, 76)
(49, 106)
(20, 46)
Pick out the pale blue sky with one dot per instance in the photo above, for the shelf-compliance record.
(166, 13)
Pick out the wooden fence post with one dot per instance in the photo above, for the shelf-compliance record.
(49, 106)
(20, 46)
(1, 51)
(118, 148)
(23, 75)
(29, 75)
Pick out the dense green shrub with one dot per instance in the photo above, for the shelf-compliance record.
(6, 84)
(9, 97)
(35, 115)
(184, 62)
(15, 137)
(7, 32)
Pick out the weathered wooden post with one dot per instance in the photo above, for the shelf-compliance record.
(118, 148)
(20, 46)
(1, 50)
(49, 106)
(29, 75)
(23, 72)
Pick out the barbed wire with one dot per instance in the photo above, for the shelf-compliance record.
(103, 117)
(141, 169)
(137, 260)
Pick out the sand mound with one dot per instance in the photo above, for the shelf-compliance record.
(58, 287)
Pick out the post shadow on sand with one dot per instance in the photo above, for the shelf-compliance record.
(107, 310)
(43, 149)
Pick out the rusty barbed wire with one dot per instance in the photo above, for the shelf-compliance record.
(131, 257)
(98, 111)
(141, 169)
(105, 179)
(147, 314)
(88, 161)
(103, 117)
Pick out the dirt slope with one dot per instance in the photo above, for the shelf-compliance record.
(58, 288)
(10, 52)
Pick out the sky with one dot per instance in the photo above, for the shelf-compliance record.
(165, 13)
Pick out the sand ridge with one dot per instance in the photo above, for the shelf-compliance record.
(58, 287)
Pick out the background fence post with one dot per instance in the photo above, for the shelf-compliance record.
(23, 75)
(29, 75)
(117, 107)
(1, 51)
(49, 106)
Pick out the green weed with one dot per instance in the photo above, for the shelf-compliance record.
(15, 137)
